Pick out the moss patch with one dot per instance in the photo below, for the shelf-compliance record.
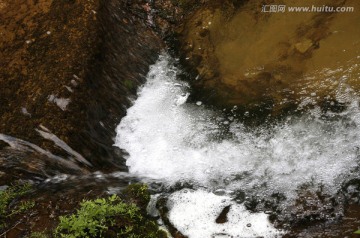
(112, 217)
(108, 217)
(122, 215)
(7, 196)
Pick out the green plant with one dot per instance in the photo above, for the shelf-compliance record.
(107, 218)
(357, 232)
(129, 84)
(7, 196)
(38, 235)
(22, 207)
(138, 194)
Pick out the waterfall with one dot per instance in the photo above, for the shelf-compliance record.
(171, 141)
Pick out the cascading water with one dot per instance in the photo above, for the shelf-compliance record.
(172, 142)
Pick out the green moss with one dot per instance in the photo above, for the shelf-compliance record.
(7, 196)
(108, 217)
(138, 194)
(129, 84)
(38, 235)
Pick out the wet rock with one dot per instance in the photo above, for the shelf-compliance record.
(3, 144)
(36, 64)
(18, 164)
(168, 14)
(120, 66)
(269, 63)
(222, 218)
(161, 205)
(304, 46)
(58, 199)
(73, 66)
(342, 228)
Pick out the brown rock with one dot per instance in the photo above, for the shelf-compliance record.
(303, 46)
(222, 218)
(66, 65)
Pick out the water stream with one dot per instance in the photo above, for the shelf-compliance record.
(275, 172)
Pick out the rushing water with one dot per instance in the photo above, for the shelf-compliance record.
(228, 163)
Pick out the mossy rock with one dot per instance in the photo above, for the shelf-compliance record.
(8, 196)
(108, 217)
(137, 194)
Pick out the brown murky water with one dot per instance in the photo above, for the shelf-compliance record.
(247, 56)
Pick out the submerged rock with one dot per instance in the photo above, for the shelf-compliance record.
(241, 56)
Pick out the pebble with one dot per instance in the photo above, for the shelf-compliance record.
(304, 46)
(4, 187)
(74, 83)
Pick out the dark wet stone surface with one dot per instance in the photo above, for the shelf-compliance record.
(222, 218)
(161, 205)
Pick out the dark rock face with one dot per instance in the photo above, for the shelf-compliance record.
(69, 67)
(45, 55)
(161, 205)
(128, 46)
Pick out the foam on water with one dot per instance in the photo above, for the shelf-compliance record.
(170, 140)
(194, 213)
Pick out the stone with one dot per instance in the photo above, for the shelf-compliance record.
(222, 218)
(304, 46)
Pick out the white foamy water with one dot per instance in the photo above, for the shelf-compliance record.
(195, 213)
(170, 140)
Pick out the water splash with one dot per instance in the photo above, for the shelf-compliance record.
(173, 141)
